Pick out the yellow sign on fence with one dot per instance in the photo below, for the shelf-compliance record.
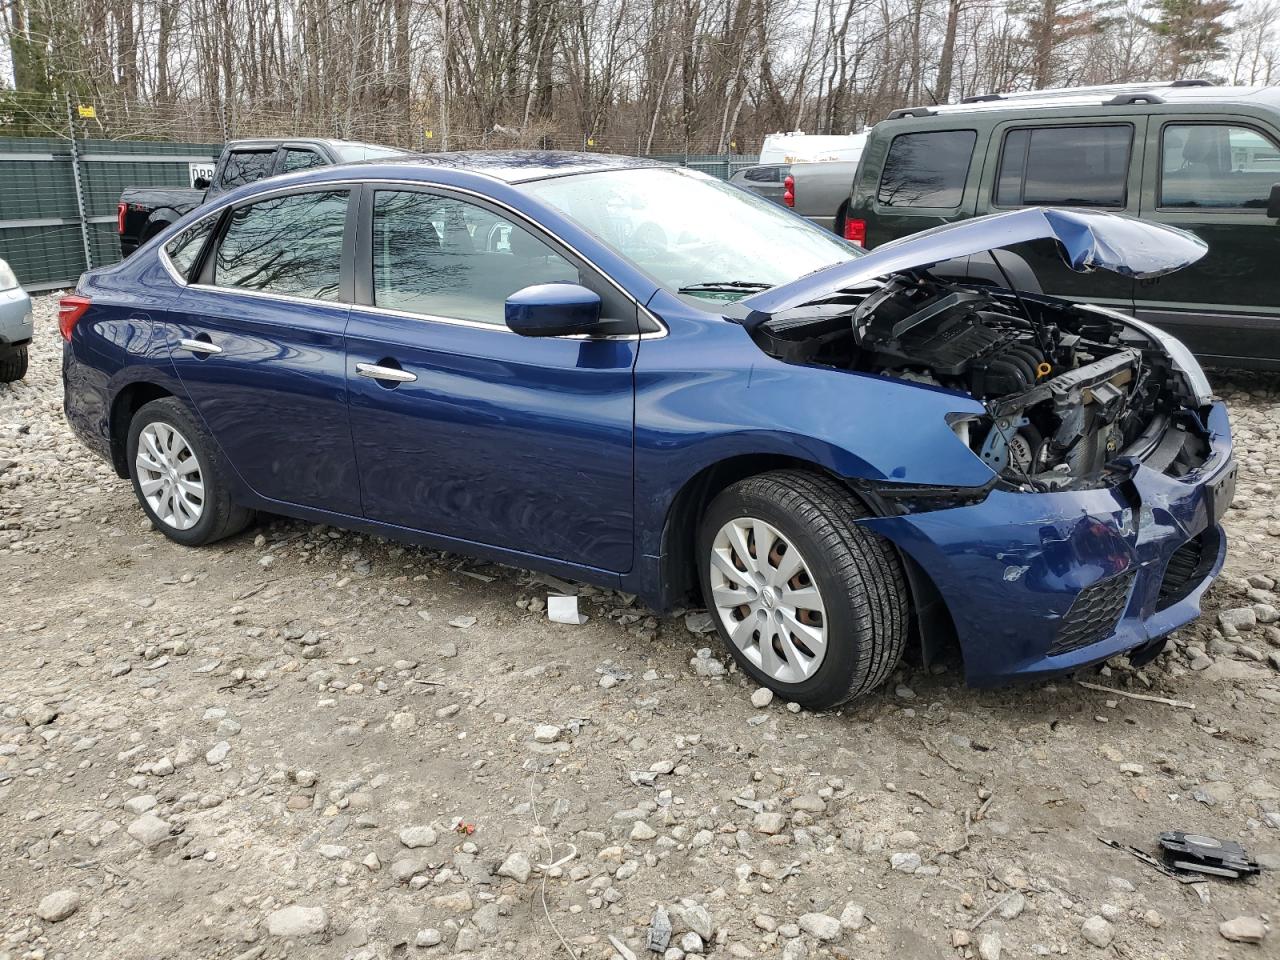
(87, 112)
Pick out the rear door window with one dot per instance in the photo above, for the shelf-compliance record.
(287, 245)
(246, 166)
(1214, 165)
(1076, 166)
(927, 169)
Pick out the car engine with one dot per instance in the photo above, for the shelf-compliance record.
(1067, 390)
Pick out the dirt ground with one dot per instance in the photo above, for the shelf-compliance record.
(303, 742)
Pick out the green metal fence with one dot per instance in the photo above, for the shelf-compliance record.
(58, 197)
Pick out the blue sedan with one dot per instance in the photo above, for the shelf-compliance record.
(640, 377)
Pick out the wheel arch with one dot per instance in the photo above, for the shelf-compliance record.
(679, 574)
(932, 628)
(127, 402)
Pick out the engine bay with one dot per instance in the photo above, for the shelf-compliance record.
(1068, 391)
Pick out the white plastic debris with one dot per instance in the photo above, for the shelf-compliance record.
(564, 610)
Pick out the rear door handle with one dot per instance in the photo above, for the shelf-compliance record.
(199, 346)
(375, 372)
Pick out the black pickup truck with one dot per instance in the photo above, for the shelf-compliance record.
(145, 211)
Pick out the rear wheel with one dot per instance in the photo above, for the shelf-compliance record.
(13, 364)
(179, 482)
(810, 604)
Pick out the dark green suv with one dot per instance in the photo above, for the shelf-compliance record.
(1186, 153)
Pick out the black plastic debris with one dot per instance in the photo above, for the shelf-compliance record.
(1196, 853)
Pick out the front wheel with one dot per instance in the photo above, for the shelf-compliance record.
(810, 604)
(179, 482)
(13, 365)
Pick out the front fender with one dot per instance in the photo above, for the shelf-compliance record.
(706, 393)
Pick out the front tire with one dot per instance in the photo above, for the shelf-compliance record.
(811, 605)
(13, 365)
(180, 483)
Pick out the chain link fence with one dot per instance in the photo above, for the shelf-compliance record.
(64, 162)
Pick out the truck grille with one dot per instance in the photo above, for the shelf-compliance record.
(1182, 573)
(1094, 613)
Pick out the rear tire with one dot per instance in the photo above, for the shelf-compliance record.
(178, 478)
(827, 617)
(13, 365)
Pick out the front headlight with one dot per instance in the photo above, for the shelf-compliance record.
(8, 280)
(1184, 360)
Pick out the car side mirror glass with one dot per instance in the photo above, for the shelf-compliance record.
(553, 310)
(201, 183)
(1273, 203)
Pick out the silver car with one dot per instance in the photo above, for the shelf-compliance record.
(15, 326)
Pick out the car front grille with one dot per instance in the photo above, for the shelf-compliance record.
(1094, 613)
(1182, 574)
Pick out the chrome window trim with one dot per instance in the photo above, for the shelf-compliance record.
(350, 184)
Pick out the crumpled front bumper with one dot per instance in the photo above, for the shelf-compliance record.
(1042, 584)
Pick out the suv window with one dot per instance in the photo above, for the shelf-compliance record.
(443, 257)
(183, 249)
(1216, 165)
(926, 169)
(1081, 166)
(302, 160)
(246, 166)
(289, 245)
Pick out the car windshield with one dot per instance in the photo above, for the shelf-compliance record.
(693, 233)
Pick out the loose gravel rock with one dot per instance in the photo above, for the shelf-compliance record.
(346, 711)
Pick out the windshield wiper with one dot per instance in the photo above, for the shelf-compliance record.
(713, 286)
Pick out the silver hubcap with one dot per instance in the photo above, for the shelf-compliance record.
(169, 476)
(767, 600)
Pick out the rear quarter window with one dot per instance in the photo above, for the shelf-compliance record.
(926, 169)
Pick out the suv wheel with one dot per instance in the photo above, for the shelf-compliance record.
(13, 365)
(810, 604)
(179, 482)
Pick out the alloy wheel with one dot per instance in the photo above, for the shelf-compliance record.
(767, 600)
(169, 475)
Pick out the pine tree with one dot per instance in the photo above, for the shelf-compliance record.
(1192, 30)
(1050, 24)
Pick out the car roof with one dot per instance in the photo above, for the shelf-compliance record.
(520, 166)
(1102, 98)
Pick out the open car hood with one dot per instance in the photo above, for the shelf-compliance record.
(1087, 242)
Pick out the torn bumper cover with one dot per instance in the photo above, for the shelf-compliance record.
(1045, 583)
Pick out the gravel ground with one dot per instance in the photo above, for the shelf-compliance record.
(309, 743)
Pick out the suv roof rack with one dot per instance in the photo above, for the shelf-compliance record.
(1106, 94)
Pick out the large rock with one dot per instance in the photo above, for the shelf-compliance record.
(820, 926)
(58, 906)
(1243, 930)
(298, 921)
(1097, 931)
(149, 830)
(516, 867)
(414, 837)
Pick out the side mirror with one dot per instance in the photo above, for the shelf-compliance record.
(553, 310)
(1273, 203)
(201, 183)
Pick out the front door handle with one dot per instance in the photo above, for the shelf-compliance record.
(375, 372)
(198, 346)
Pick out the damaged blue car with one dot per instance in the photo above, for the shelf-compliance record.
(643, 378)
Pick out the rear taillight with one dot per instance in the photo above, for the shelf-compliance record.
(856, 230)
(789, 191)
(70, 310)
(120, 212)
